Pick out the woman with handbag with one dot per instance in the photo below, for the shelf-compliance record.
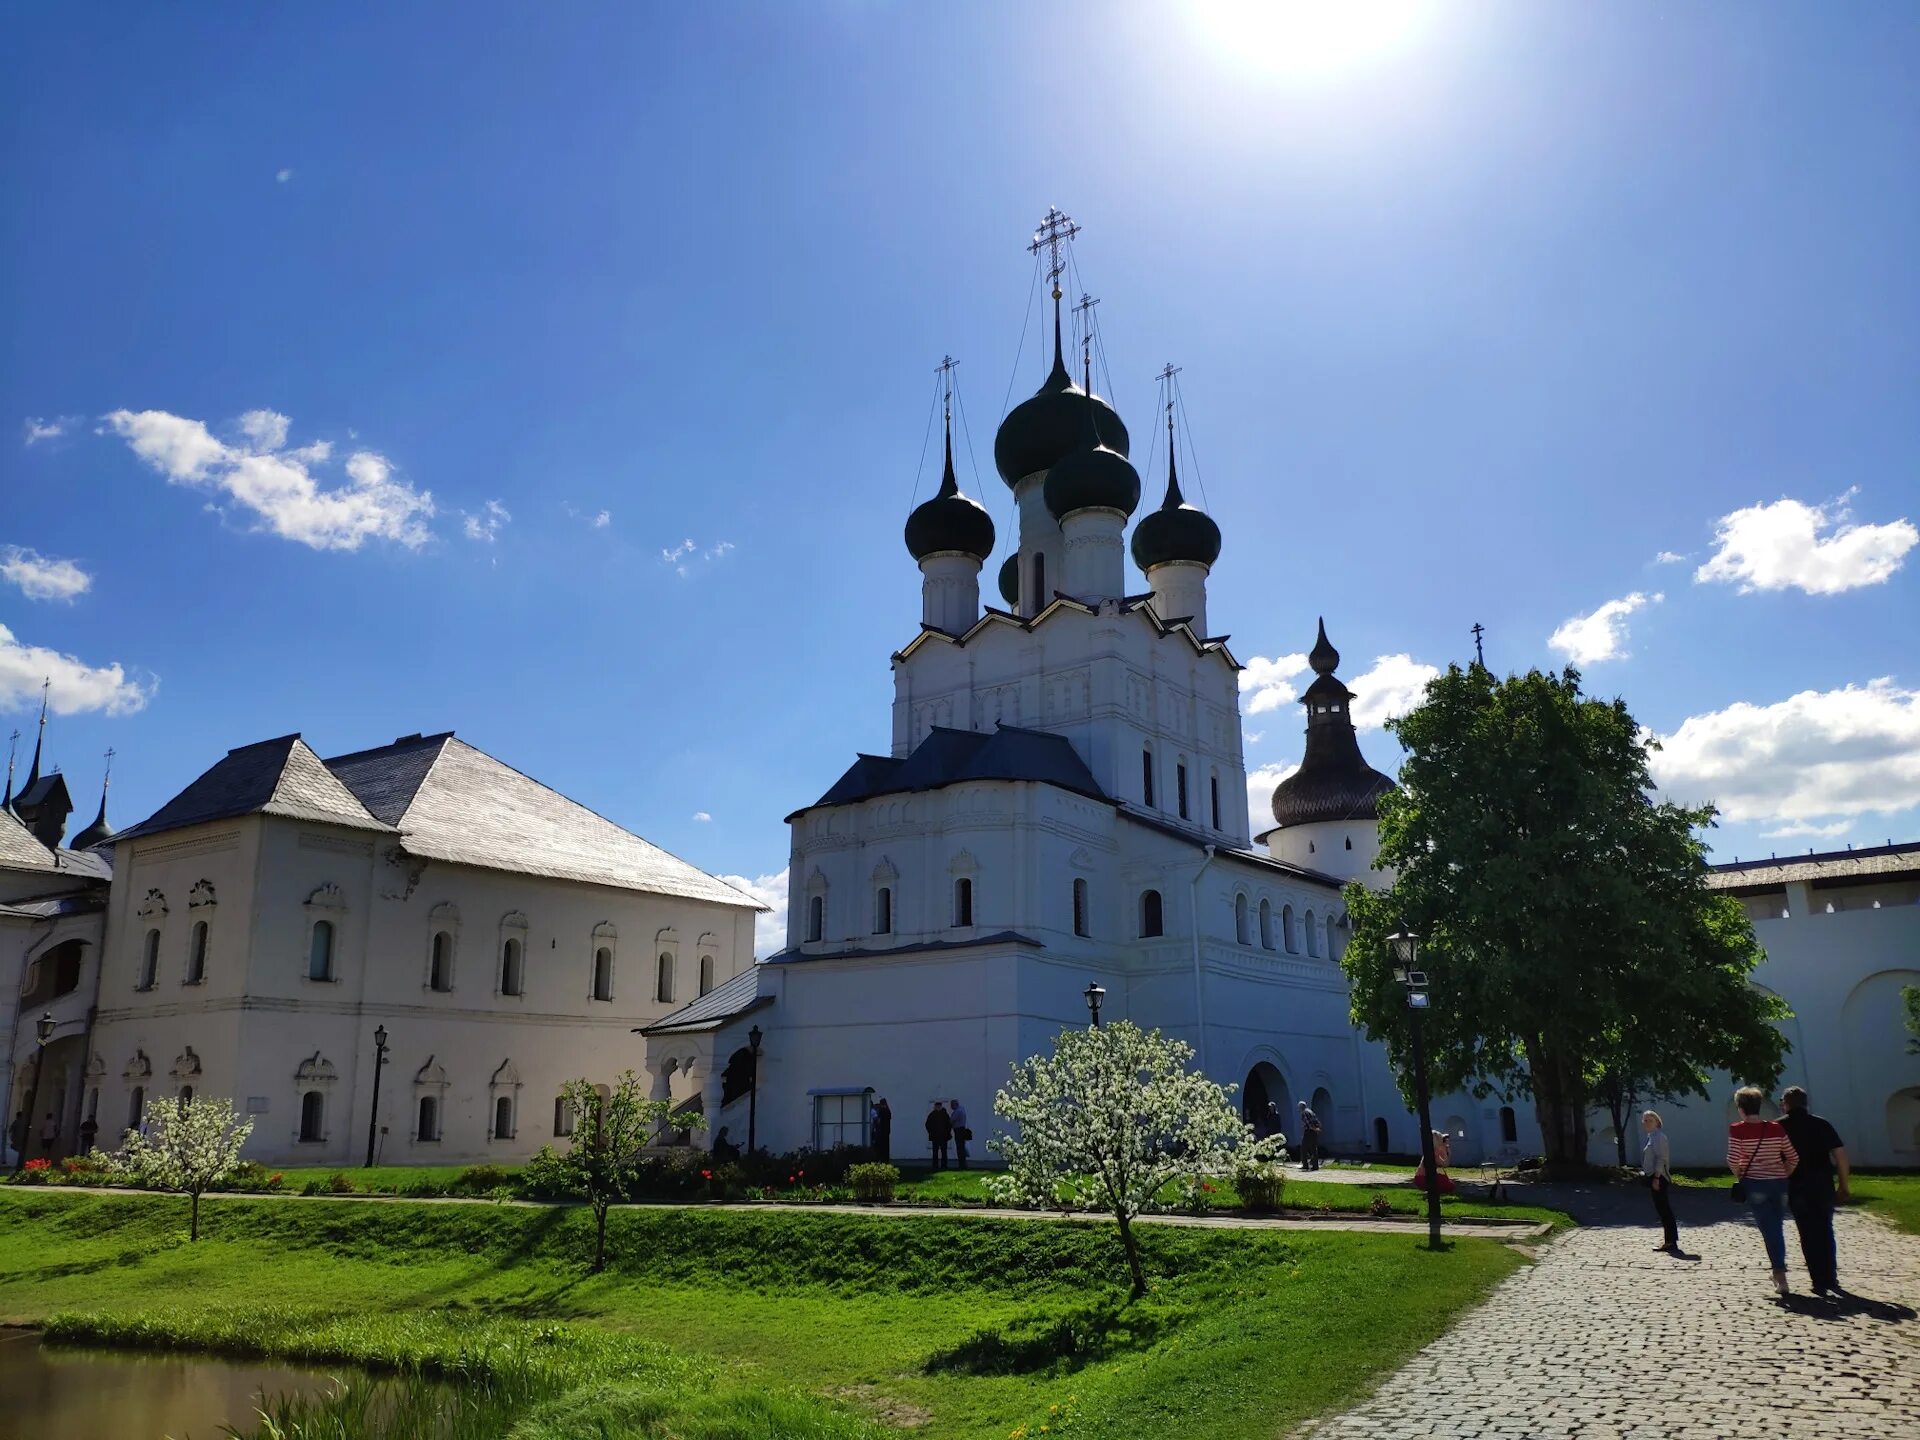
(1656, 1164)
(1761, 1158)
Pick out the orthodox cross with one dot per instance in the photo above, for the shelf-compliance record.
(107, 779)
(945, 371)
(1165, 377)
(1052, 236)
(1479, 655)
(1085, 311)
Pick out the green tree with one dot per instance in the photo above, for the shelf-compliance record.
(612, 1127)
(1568, 928)
(187, 1145)
(1115, 1114)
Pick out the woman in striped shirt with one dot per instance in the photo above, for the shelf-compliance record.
(1761, 1156)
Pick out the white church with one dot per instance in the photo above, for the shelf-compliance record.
(1063, 804)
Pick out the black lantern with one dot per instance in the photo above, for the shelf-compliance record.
(1095, 993)
(1403, 951)
(753, 1091)
(373, 1115)
(43, 1027)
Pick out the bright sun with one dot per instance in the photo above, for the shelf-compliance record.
(1313, 39)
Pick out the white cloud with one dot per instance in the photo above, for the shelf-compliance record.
(1803, 828)
(76, 686)
(1269, 682)
(277, 485)
(1260, 785)
(1669, 557)
(485, 526)
(1810, 758)
(283, 176)
(770, 929)
(1588, 639)
(1394, 685)
(1780, 546)
(683, 557)
(702, 817)
(41, 577)
(39, 429)
(602, 520)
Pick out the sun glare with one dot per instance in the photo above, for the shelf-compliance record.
(1313, 39)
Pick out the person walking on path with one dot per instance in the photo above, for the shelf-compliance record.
(961, 1134)
(1762, 1157)
(1309, 1138)
(1810, 1189)
(939, 1132)
(1656, 1163)
(882, 1121)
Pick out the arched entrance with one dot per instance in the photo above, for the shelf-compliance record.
(1903, 1125)
(1265, 1087)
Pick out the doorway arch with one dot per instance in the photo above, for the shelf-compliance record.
(1266, 1086)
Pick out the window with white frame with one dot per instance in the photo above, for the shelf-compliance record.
(1152, 917)
(816, 917)
(883, 910)
(513, 978)
(440, 962)
(149, 962)
(963, 901)
(197, 953)
(706, 973)
(320, 951)
(839, 1119)
(427, 1118)
(663, 980)
(603, 974)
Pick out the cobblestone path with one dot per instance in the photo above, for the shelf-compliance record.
(1604, 1339)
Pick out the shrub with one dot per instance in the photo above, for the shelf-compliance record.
(546, 1177)
(1260, 1186)
(38, 1171)
(480, 1179)
(1379, 1206)
(313, 1187)
(250, 1176)
(873, 1180)
(340, 1183)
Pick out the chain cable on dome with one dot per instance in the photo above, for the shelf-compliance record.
(933, 407)
(1026, 319)
(1186, 429)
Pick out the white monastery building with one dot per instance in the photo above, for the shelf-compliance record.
(1063, 804)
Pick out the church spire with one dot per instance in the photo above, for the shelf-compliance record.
(1056, 230)
(33, 772)
(99, 832)
(13, 746)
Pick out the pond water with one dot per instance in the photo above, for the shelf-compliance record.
(71, 1393)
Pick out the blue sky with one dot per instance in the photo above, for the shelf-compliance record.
(1480, 311)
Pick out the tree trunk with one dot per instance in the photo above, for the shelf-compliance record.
(599, 1237)
(1560, 1104)
(193, 1225)
(1139, 1276)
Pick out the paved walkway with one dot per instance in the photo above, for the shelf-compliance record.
(1603, 1339)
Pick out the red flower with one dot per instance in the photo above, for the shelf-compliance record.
(41, 1163)
(706, 1174)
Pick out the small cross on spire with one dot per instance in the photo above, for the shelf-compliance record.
(1479, 654)
(1052, 236)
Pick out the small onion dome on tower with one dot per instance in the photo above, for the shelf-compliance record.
(1010, 581)
(1334, 781)
(1177, 530)
(950, 521)
(1046, 427)
(1095, 476)
(98, 833)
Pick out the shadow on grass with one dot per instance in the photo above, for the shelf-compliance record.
(1057, 1343)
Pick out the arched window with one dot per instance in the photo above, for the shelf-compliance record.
(706, 973)
(1146, 777)
(513, 978)
(603, 974)
(1509, 1125)
(1151, 919)
(440, 969)
(197, 953)
(1287, 937)
(963, 901)
(1039, 583)
(663, 979)
(428, 1127)
(320, 953)
(1213, 784)
(816, 917)
(503, 1118)
(1313, 935)
(1080, 907)
(1241, 934)
(149, 962)
(313, 1114)
(882, 910)
(1266, 925)
(562, 1116)
(1380, 1133)
(1180, 787)
(136, 1108)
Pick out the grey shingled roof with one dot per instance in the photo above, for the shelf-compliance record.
(715, 1008)
(20, 849)
(455, 803)
(272, 777)
(952, 757)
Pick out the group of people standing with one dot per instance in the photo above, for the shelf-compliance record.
(1794, 1165)
(948, 1124)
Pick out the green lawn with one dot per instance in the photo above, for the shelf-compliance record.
(1892, 1193)
(751, 1325)
(380, 1180)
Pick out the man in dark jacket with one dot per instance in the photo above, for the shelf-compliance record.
(882, 1123)
(1810, 1189)
(939, 1132)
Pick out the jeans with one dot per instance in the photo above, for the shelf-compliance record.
(1812, 1207)
(1767, 1199)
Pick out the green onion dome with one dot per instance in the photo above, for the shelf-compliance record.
(1045, 427)
(1010, 582)
(1176, 531)
(1094, 476)
(950, 521)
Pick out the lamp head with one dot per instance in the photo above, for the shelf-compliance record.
(753, 1039)
(1402, 947)
(379, 1037)
(1095, 993)
(43, 1027)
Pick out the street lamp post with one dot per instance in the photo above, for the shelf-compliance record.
(1404, 949)
(753, 1091)
(1095, 993)
(42, 1032)
(379, 1063)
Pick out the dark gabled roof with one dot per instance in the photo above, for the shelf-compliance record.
(20, 849)
(386, 778)
(928, 947)
(46, 788)
(953, 757)
(723, 1003)
(272, 777)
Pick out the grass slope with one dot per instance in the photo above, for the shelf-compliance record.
(737, 1325)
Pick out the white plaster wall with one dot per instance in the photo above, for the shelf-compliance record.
(1344, 849)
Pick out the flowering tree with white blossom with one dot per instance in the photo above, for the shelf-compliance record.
(1116, 1114)
(187, 1145)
